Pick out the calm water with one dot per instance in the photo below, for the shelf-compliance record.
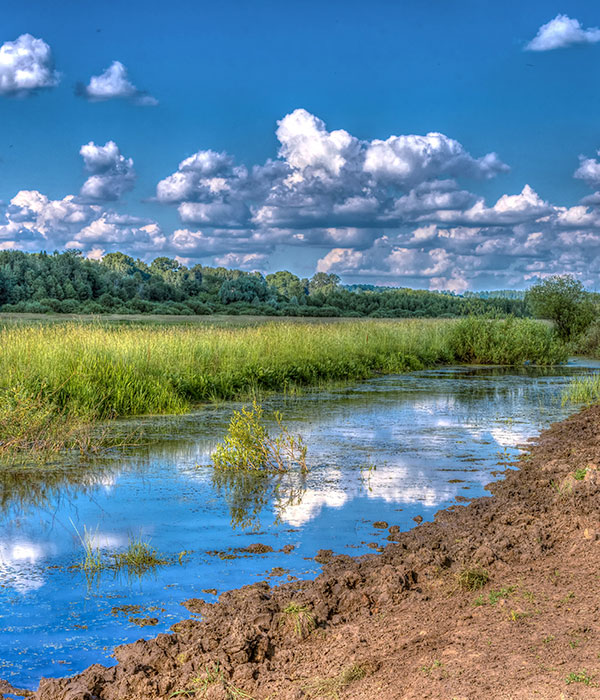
(386, 449)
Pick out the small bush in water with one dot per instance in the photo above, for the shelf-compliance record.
(249, 446)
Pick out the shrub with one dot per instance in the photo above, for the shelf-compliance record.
(563, 300)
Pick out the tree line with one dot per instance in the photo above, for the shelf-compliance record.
(69, 283)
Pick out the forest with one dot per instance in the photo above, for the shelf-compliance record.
(117, 284)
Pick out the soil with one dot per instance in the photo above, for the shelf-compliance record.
(410, 622)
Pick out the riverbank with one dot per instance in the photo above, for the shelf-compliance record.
(409, 623)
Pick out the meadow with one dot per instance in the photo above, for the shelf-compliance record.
(56, 378)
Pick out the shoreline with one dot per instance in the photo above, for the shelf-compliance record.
(398, 624)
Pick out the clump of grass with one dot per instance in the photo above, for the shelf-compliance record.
(92, 562)
(138, 558)
(249, 446)
(579, 474)
(213, 676)
(299, 618)
(332, 687)
(583, 390)
(472, 578)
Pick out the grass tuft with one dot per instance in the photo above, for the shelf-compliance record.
(472, 579)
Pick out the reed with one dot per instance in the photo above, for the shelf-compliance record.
(51, 375)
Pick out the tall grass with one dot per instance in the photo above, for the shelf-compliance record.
(583, 390)
(51, 373)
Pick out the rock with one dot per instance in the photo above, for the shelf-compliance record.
(380, 524)
(418, 519)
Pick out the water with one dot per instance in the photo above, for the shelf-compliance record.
(386, 449)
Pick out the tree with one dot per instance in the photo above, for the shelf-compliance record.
(563, 300)
(323, 282)
(287, 284)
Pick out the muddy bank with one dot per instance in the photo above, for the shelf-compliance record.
(399, 624)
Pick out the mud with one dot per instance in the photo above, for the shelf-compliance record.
(399, 624)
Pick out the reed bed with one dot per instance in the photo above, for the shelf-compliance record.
(50, 374)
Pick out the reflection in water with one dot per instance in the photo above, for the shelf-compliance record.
(387, 449)
(247, 493)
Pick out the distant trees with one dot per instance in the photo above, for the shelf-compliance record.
(563, 300)
(68, 283)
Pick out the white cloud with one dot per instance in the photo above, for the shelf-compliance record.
(243, 261)
(112, 173)
(114, 84)
(325, 179)
(588, 171)
(560, 32)
(26, 65)
(414, 159)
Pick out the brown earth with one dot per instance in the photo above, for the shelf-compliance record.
(403, 624)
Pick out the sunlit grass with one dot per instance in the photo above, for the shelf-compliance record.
(56, 378)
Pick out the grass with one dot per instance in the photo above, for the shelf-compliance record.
(299, 618)
(472, 579)
(495, 596)
(57, 379)
(213, 676)
(578, 677)
(332, 687)
(583, 390)
(137, 559)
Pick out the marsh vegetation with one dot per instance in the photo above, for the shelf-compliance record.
(58, 380)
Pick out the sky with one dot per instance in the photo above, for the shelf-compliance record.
(433, 145)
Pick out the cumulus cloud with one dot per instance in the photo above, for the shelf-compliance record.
(114, 84)
(560, 32)
(326, 178)
(26, 65)
(111, 173)
(243, 261)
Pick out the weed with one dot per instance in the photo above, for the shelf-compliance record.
(300, 618)
(579, 474)
(472, 579)
(578, 677)
(494, 596)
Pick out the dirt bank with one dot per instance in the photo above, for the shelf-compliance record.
(400, 624)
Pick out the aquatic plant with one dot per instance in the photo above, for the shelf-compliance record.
(138, 558)
(249, 446)
(583, 390)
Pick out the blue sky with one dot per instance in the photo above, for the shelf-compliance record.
(309, 122)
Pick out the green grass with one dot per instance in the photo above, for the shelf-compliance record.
(472, 578)
(137, 559)
(64, 376)
(583, 390)
(299, 618)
